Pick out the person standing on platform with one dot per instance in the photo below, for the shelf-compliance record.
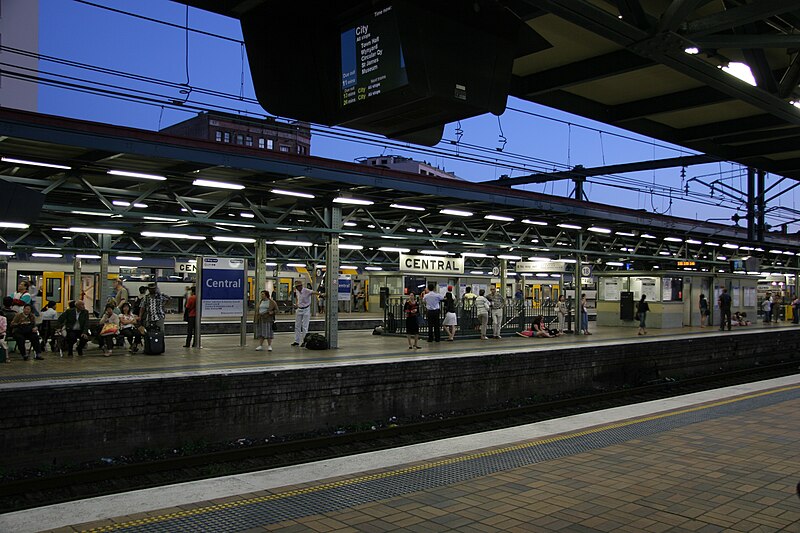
(467, 305)
(411, 309)
(76, 322)
(561, 312)
(191, 316)
(433, 302)
(302, 317)
(151, 312)
(724, 303)
(766, 307)
(264, 321)
(584, 316)
(704, 312)
(641, 313)
(450, 321)
(795, 308)
(482, 308)
(122, 295)
(498, 302)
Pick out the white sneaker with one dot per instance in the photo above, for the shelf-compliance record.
(269, 348)
(259, 348)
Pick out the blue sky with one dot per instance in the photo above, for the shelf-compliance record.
(86, 34)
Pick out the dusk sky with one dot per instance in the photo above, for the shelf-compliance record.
(89, 35)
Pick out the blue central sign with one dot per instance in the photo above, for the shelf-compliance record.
(345, 289)
(222, 292)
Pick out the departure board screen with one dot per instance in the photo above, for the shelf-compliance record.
(372, 58)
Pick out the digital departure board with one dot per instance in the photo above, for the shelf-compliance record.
(372, 58)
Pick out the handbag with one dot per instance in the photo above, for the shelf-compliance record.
(109, 329)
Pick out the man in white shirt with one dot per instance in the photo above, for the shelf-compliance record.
(433, 302)
(302, 317)
(498, 303)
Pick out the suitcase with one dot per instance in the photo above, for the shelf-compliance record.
(153, 341)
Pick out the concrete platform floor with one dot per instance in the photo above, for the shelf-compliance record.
(724, 460)
(222, 354)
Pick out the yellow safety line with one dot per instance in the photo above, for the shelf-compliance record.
(429, 465)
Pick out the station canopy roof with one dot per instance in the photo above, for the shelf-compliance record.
(173, 215)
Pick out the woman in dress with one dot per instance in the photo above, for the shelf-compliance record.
(450, 320)
(265, 320)
(411, 309)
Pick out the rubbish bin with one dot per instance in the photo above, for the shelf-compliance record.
(384, 292)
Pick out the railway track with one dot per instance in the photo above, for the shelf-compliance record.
(42, 489)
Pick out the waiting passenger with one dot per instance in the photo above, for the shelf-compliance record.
(740, 319)
(482, 308)
(704, 310)
(24, 329)
(641, 314)
(127, 328)
(109, 330)
(561, 312)
(450, 321)
(411, 309)
(76, 322)
(498, 306)
(266, 312)
(3, 345)
(190, 315)
(433, 302)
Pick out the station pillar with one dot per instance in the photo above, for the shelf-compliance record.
(260, 281)
(103, 290)
(77, 282)
(334, 221)
(577, 283)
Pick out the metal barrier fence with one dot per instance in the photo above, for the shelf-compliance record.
(517, 316)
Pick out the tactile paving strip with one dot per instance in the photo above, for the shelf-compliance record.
(336, 496)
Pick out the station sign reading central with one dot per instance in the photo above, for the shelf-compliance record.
(426, 264)
(222, 292)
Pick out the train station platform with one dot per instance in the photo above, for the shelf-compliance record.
(720, 460)
(222, 354)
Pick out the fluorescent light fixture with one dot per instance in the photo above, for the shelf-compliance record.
(128, 258)
(33, 163)
(247, 215)
(692, 50)
(711, 243)
(499, 218)
(510, 257)
(223, 238)
(542, 275)
(538, 258)
(568, 260)
(345, 246)
(141, 175)
(664, 253)
(93, 213)
(597, 229)
(234, 225)
(199, 211)
(270, 264)
(407, 207)
(748, 248)
(296, 265)
(455, 212)
(739, 70)
(351, 234)
(393, 249)
(6, 252)
(721, 258)
(648, 236)
(614, 263)
(473, 254)
(466, 243)
(395, 237)
(673, 239)
(284, 192)
(693, 241)
(534, 222)
(168, 235)
(100, 231)
(352, 201)
(476, 272)
(625, 234)
(161, 219)
(87, 256)
(730, 246)
(555, 275)
(434, 252)
(43, 254)
(293, 243)
(14, 225)
(348, 267)
(373, 268)
(218, 184)
(123, 203)
(569, 226)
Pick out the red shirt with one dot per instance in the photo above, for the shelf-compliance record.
(191, 305)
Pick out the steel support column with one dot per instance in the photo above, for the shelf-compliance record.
(261, 273)
(77, 282)
(577, 282)
(751, 204)
(103, 290)
(762, 206)
(333, 215)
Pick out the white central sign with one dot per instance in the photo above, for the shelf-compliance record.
(540, 266)
(185, 267)
(426, 264)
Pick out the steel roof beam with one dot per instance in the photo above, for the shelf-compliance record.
(676, 13)
(666, 103)
(738, 16)
(743, 42)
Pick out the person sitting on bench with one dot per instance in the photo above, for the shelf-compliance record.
(24, 329)
(76, 322)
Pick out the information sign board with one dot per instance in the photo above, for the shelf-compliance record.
(345, 288)
(540, 266)
(185, 267)
(431, 264)
(222, 293)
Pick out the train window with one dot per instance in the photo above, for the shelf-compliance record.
(52, 290)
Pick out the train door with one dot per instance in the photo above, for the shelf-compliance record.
(53, 289)
(284, 288)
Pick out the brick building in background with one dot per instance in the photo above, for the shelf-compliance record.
(266, 134)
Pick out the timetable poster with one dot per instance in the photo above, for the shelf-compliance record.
(372, 58)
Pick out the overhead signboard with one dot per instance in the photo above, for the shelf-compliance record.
(185, 267)
(222, 293)
(426, 264)
(345, 288)
(540, 266)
